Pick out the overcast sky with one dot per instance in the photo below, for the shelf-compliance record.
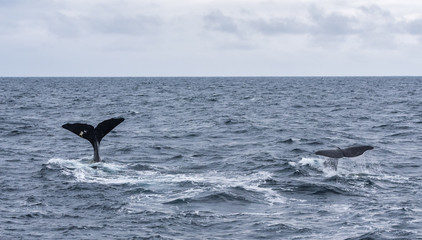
(210, 37)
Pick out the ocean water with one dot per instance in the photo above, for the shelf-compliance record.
(211, 158)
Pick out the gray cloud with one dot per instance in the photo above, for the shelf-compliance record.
(12, 3)
(367, 26)
(414, 27)
(280, 26)
(375, 10)
(217, 21)
(63, 26)
(315, 22)
(125, 25)
(332, 24)
(319, 23)
(60, 19)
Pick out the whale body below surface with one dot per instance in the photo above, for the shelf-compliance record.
(94, 135)
(335, 154)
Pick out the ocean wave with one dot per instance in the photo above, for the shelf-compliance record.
(321, 189)
(222, 197)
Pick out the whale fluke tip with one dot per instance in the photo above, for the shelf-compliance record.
(347, 152)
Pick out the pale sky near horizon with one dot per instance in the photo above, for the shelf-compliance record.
(210, 38)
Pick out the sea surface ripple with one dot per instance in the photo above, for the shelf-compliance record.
(211, 158)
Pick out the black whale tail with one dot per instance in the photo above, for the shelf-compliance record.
(347, 152)
(335, 154)
(94, 135)
(356, 151)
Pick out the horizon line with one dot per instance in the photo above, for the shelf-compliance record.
(215, 76)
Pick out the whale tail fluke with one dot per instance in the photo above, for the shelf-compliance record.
(335, 154)
(85, 131)
(356, 151)
(347, 152)
(94, 135)
(106, 126)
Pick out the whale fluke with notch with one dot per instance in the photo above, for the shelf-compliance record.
(340, 153)
(94, 135)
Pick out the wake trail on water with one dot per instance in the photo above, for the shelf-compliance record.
(172, 187)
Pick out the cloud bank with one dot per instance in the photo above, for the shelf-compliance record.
(190, 38)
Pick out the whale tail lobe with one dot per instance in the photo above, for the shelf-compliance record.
(335, 154)
(347, 152)
(94, 135)
(356, 151)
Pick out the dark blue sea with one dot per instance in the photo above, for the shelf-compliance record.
(211, 158)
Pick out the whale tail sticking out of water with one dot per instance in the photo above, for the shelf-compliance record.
(94, 135)
(335, 154)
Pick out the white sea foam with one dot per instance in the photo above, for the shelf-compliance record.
(312, 162)
(220, 182)
(317, 164)
(113, 173)
(345, 166)
(86, 171)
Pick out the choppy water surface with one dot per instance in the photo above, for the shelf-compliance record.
(211, 158)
